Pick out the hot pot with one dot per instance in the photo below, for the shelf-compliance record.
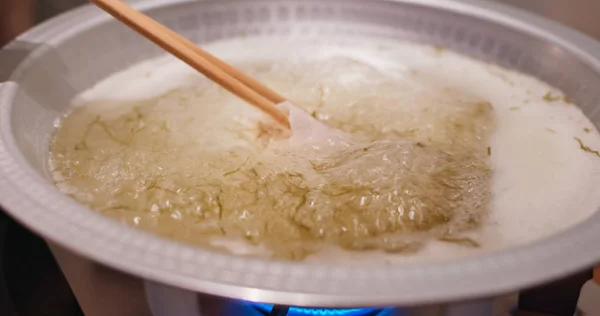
(68, 54)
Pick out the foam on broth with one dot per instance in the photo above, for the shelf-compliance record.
(542, 180)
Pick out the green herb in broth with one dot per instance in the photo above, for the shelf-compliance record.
(463, 241)
(548, 97)
(586, 148)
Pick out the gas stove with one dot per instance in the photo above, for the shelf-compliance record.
(557, 298)
(164, 300)
(274, 310)
(259, 309)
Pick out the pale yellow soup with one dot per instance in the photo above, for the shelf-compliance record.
(438, 158)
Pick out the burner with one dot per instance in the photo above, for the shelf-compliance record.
(303, 311)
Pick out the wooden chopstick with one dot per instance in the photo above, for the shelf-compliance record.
(596, 275)
(250, 82)
(221, 73)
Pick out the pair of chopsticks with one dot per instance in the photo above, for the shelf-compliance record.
(210, 66)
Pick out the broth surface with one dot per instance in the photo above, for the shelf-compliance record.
(441, 150)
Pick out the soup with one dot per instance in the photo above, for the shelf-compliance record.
(399, 152)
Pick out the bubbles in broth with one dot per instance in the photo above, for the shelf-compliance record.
(192, 162)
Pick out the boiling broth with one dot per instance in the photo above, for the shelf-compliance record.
(420, 170)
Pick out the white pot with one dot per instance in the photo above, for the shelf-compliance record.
(66, 55)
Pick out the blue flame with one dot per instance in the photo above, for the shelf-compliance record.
(301, 311)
